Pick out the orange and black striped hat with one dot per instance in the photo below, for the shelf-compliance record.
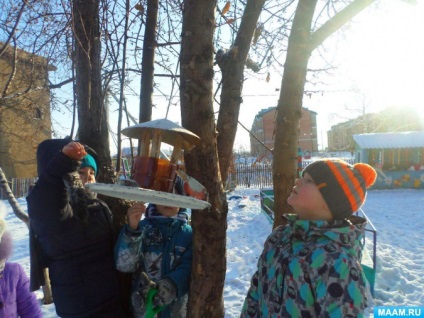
(343, 186)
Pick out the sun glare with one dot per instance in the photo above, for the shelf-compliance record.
(385, 56)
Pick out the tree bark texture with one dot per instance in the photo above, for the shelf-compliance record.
(232, 66)
(92, 117)
(20, 214)
(209, 225)
(289, 108)
(147, 64)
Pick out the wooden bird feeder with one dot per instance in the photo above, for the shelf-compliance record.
(150, 171)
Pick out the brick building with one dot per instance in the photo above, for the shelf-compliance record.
(24, 111)
(340, 137)
(263, 128)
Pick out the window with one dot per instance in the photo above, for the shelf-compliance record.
(38, 113)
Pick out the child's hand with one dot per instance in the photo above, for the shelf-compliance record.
(166, 292)
(134, 214)
(74, 150)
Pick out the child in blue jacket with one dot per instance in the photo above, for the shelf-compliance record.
(158, 251)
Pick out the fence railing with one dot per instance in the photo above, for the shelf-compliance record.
(19, 187)
(247, 175)
(258, 176)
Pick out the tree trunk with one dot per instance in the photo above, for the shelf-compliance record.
(232, 66)
(47, 290)
(92, 116)
(21, 215)
(147, 64)
(289, 108)
(209, 226)
(121, 90)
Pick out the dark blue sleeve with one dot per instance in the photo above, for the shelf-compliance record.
(48, 200)
(48, 205)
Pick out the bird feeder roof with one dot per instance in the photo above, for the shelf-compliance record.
(171, 133)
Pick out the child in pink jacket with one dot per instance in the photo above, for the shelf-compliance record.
(15, 298)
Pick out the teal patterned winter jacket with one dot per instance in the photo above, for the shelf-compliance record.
(310, 269)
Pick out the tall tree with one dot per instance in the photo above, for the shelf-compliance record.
(209, 239)
(92, 116)
(147, 66)
(302, 42)
(232, 64)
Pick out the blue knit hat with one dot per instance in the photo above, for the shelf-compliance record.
(88, 161)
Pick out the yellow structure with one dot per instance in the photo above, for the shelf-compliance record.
(24, 111)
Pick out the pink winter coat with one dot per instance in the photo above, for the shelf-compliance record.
(15, 298)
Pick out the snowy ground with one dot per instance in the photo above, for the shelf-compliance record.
(398, 216)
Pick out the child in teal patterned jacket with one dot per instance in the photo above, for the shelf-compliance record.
(311, 266)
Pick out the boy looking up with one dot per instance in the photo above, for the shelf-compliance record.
(311, 266)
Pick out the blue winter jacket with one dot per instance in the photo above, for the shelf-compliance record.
(161, 247)
(78, 253)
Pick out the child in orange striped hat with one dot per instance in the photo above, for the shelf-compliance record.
(340, 185)
(315, 258)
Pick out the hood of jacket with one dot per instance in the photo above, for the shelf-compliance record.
(152, 213)
(348, 233)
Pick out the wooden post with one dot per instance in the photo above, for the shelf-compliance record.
(156, 141)
(145, 145)
(176, 152)
(382, 157)
(47, 289)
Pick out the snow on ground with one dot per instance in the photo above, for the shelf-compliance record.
(398, 216)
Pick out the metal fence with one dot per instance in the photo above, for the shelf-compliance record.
(258, 176)
(247, 175)
(19, 187)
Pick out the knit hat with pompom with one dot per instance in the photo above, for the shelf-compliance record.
(343, 186)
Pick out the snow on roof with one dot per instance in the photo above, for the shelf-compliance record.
(408, 139)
